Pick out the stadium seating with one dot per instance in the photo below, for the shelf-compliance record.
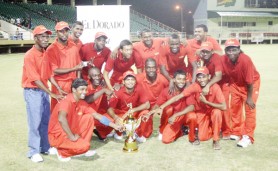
(48, 14)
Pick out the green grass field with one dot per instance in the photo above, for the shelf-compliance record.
(152, 155)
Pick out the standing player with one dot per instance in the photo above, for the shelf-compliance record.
(245, 85)
(95, 52)
(72, 122)
(208, 107)
(201, 35)
(127, 57)
(172, 58)
(213, 62)
(64, 60)
(148, 47)
(36, 96)
(76, 32)
(152, 83)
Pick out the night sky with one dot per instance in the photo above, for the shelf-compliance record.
(161, 10)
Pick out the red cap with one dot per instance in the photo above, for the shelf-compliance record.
(40, 30)
(61, 25)
(202, 70)
(99, 34)
(128, 73)
(232, 42)
(206, 46)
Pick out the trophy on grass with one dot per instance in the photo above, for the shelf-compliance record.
(131, 125)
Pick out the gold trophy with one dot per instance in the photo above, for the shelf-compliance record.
(131, 125)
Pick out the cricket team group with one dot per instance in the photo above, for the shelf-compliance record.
(193, 85)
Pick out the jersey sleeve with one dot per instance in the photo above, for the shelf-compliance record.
(162, 60)
(138, 59)
(109, 64)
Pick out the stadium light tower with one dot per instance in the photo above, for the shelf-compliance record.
(179, 7)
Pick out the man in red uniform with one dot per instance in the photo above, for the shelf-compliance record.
(214, 64)
(130, 95)
(64, 60)
(97, 96)
(152, 83)
(76, 32)
(178, 114)
(72, 122)
(148, 47)
(172, 58)
(95, 52)
(126, 58)
(245, 85)
(208, 107)
(36, 94)
(201, 36)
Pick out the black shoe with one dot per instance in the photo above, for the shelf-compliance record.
(98, 135)
(185, 130)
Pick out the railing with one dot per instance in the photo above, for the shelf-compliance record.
(152, 21)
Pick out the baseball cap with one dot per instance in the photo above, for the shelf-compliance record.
(40, 30)
(232, 42)
(202, 70)
(129, 73)
(99, 34)
(206, 46)
(61, 25)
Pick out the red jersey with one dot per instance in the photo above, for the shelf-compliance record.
(195, 45)
(88, 53)
(32, 68)
(215, 65)
(74, 111)
(241, 73)
(119, 65)
(173, 62)
(178, 105)
(122, 98)
(152, 90)
(60, 56)
(215, 95)
(78, 44)
(101, 104)
(146, 52)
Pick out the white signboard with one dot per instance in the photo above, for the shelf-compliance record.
(110, 19)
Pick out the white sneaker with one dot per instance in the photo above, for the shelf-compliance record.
(141, 139)
(89, 153)
(52, 151)
(234, 137)
(63, 159)
(111, 134)
(118, 137)
(244, 142)
(37, 158)
(159, 137)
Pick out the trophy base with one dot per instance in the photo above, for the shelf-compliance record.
(130, 147)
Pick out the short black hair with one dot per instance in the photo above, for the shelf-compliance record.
(204, 27)
(77, 23)
(78, 82)
(174, 36)
(145, 30)
(93, 68)
(150, 60)
(179, 72)
(125, 43)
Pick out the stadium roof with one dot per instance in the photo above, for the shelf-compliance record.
(247, 14)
